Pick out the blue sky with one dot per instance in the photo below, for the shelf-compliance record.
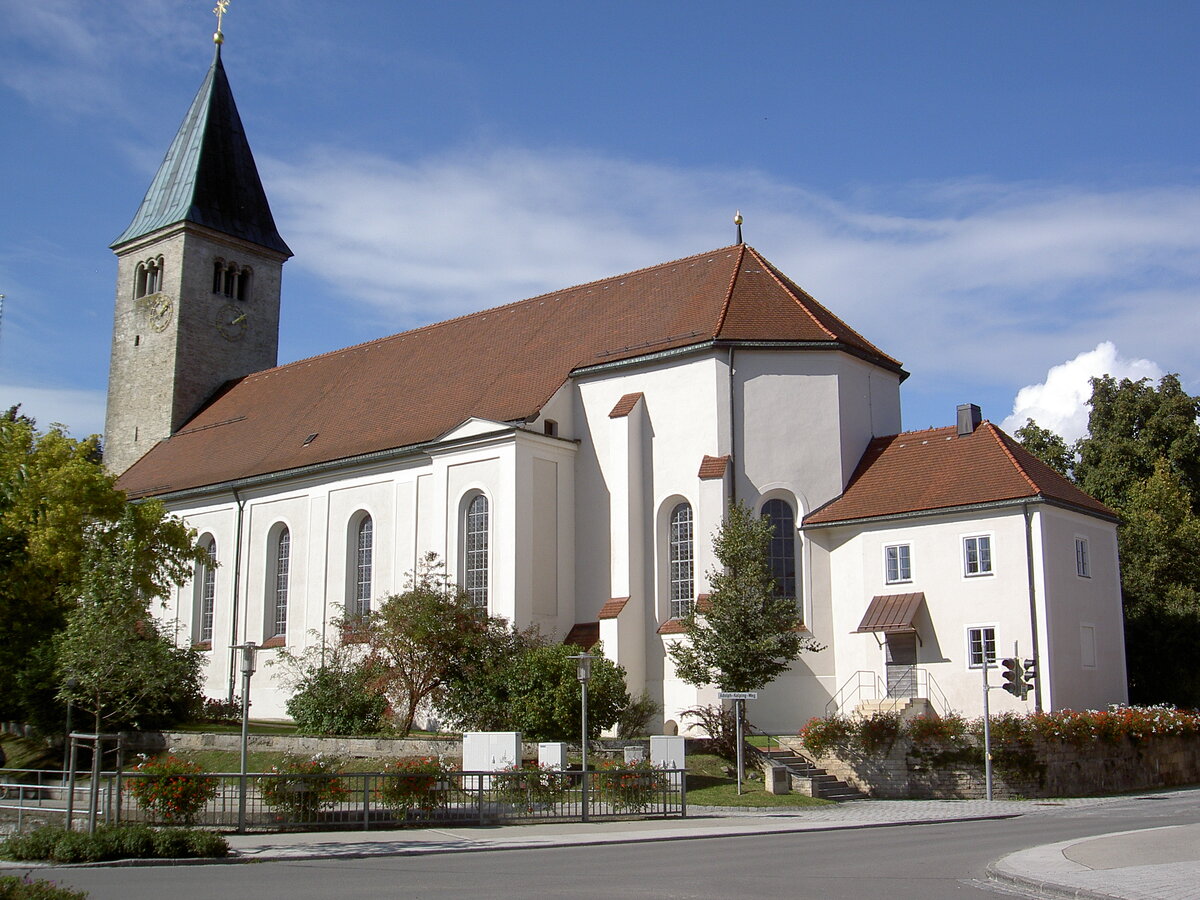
(1006, 197)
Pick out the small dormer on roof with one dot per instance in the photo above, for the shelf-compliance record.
(208, 176)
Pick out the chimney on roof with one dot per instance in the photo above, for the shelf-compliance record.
(969, 417)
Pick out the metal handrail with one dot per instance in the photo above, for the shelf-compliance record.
(866, 685)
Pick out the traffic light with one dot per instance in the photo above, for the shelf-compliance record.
(1031, 674)
(1014, 677)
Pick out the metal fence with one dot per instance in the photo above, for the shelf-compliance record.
(374, 800)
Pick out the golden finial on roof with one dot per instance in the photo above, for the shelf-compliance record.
(737, 220)
(219, 11)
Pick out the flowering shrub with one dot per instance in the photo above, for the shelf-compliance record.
(172, 789)
(414, 782)
(946, 729)
(821, 736)
(301, 786)
(877, 733)
(628, 787)
(530, 785)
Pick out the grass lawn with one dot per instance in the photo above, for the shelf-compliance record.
(708, 785)
(23, 754)
(235, 728)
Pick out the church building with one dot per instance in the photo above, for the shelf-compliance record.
(570, 457)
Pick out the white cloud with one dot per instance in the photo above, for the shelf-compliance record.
(985, 283)
(1060, 403)
(82, 412)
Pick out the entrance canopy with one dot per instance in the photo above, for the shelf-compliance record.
(892, 613)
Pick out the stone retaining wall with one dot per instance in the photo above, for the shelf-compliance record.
(1037, 769)
(369, 748)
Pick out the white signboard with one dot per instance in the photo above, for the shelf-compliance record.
(738, 695)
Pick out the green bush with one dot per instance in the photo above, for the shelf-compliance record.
(628, 787)
(299, 787)
(113, 842)
(14, 888)
(530, 785)
(419, 782)
(341, 698)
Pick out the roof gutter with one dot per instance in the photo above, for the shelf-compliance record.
(967, 507)
(424, 448)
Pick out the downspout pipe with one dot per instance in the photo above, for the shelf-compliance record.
(733, 457)
(1033, 617)
(237, 580)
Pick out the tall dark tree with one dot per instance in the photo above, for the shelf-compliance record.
(1047, 446)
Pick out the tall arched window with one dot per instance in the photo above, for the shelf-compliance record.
(208, 592)
(475, 551)
(283, 561)
(782, 553)
(363, 568)
(681, 561)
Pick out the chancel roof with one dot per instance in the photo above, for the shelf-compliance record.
(208, 176)
(939, 469)
(501, 364)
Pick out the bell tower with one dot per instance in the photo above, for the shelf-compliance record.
(198, 279)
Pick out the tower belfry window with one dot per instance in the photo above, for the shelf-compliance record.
(148, 278)
(231, 280)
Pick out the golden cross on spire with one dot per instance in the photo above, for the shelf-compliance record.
(219, 11)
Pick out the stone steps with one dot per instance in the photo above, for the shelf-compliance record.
(820, 783)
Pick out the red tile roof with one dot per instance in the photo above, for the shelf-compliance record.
(612, 608)
(583, 634)
(501, 364)
(713, 467)
(625, 405)
(920, 471)
(672, 626)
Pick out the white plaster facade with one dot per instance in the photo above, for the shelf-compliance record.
(581, 517)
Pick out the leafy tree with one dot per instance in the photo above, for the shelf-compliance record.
(114, 659)
(545, 697)
(513, 680)
(479, 689)
(1047, 446)
(747, 635)
(335, 690)
(1160, 568)
(1132, 425)
(418, 636)
(58, 508)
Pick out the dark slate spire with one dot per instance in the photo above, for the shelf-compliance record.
(208, 176)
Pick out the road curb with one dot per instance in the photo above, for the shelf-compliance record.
(1050, 890)
(236, 858)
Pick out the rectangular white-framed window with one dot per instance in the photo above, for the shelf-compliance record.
(977, 555)
(897, 563)
(1087, 646)
(1083, 560)
(981, 644)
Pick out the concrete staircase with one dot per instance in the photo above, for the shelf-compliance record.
(908, 708)
(808, 779)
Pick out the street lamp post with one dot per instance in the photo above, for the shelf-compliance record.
(248, 649)
(583, 671)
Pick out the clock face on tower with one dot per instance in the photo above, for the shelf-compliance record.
(160, 308)
(231, 322)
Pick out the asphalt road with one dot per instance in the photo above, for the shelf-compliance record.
(921, 862)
